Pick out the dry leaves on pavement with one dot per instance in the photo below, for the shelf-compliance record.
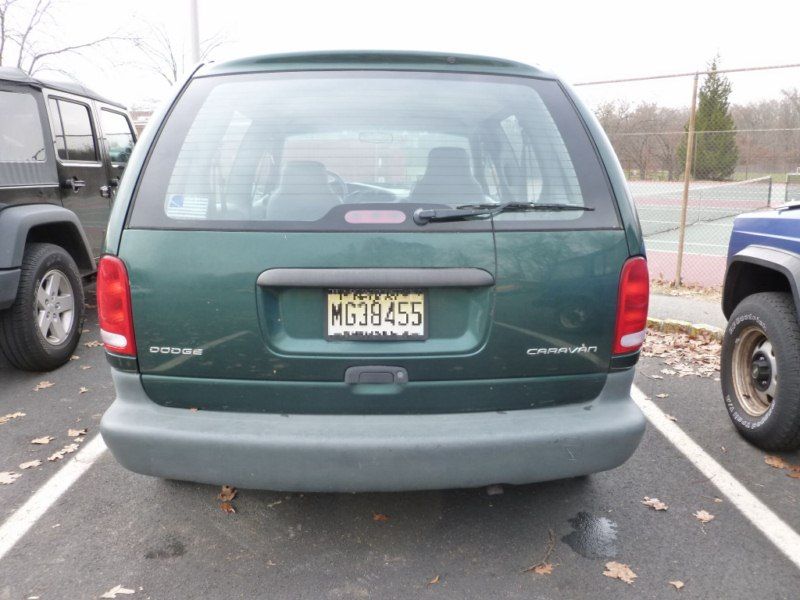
(779, 463)
(654, 503)
(59, 454)
(7, 477)
(703, 516)
(677, 584)
(43, 385)
(380, 517)
(227, 508)
(45, 439)
(117, 589)
(434, 581)
(619, 571)
(683, 354)
(76, 432)
(227, 493)
(93, 344)
(544, 567)
(83, 390)
(15, 415)
(30, 464)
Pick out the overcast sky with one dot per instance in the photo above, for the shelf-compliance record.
(582, 41)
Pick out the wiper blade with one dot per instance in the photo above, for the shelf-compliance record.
(465, 211)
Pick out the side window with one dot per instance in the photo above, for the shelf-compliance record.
(118, 135)
(73, 135)
(21, 138)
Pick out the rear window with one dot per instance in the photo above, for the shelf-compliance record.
(303, 150)
(21, 137)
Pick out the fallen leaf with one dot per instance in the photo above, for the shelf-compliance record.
(93, 344)
(543, 568)
(381, 518)
(619, 571)
(30, 464)
(117, 589)
(656, 377)
(703, 516)
(676, 584)
(794, 474)
(7, 477)
(434, 581)
(84, 367)
(227, 493)
(43, 385)
(670, 417)
(8, 417)
(668, 371)
(779, 463)
(76, 432)
(74, 357)
(59, 454)
(227, 508)
(662, 395)
(83, 390)
(271, 504)
(45, 439)
(654, 503)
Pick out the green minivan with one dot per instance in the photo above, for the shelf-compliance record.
(352, 271)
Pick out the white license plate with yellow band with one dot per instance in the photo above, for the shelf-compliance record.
(376, 315)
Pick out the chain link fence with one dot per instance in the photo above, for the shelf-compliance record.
(744, 156)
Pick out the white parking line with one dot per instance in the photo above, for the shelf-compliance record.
(26, 515)
(777, 531)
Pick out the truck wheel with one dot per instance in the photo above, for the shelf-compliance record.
(759, 372)
(40, 330)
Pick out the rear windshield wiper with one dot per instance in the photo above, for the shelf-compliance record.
(422, 215)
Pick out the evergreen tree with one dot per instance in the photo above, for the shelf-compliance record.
(715, 151)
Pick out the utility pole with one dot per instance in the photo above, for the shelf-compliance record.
(687, 176)
(194, 33)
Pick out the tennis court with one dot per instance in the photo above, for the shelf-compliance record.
(711, 210)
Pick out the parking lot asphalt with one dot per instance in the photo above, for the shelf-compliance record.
(165, 539)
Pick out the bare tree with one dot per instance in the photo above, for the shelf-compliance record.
(164, 56)
(28, 36)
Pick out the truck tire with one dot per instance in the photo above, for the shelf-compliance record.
(40, 330)
(759, 371)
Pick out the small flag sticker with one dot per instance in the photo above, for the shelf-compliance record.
(186, 207)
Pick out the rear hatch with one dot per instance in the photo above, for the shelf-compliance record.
(278, 262)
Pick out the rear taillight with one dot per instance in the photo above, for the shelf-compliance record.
(114, 306)
(634, 294)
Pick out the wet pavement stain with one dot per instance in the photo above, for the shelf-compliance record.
(594, 537)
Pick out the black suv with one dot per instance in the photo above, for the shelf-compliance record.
(62, 151)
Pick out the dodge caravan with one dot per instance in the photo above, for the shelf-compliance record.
(372, 271)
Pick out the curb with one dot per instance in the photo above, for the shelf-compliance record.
(690, 329)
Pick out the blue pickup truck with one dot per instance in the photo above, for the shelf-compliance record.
(760, 371)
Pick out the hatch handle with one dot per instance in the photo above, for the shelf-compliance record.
(389, 278)
(375, 374)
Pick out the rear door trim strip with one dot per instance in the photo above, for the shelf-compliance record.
(376, 278)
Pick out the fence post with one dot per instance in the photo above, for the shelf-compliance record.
(687, 175)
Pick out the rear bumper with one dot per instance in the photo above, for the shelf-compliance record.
(350, 453)
(9, 282)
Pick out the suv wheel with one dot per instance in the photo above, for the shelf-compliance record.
(40, 330)
(759, 374)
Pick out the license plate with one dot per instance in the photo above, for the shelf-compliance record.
(376, 315)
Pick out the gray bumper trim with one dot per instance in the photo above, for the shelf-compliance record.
(350, 453)
(9, 282)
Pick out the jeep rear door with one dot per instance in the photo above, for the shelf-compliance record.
(276, 263)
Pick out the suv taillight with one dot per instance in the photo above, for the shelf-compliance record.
(114, 306)
(634, 295)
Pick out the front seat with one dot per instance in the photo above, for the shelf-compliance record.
(448, 179)
(303, 193)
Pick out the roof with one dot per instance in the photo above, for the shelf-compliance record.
(20, 76)
(374, 60)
